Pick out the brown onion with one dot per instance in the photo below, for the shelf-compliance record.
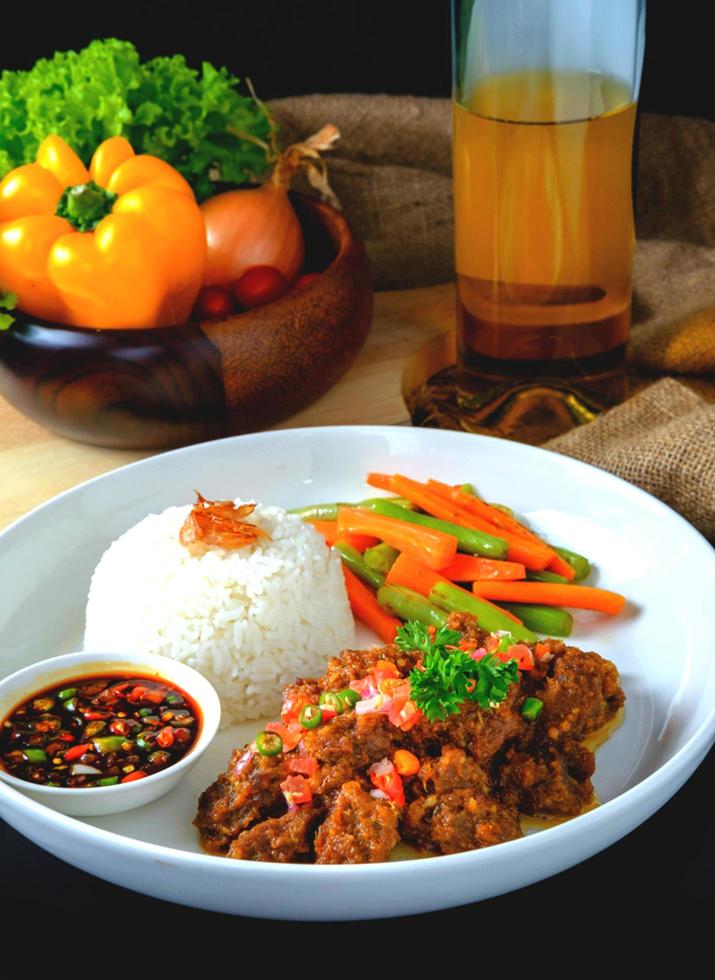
(251, 227)
(258, 226)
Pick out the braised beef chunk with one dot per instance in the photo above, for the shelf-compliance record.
(463, 820)
(481, 732)
(459, 820)
(282, 839)
(452, 770)
(553, 780)
(581, 693)
(322, 799)
(362, 738)
(358, 829)
(237, 800)
(354, 664)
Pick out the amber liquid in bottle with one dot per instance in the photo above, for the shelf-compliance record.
(544, 248)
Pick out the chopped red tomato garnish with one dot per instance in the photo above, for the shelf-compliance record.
(385, 777)
(521, 653)
(406, 763)
(296, 790)
(290, 734)
(304, 764)
(292, 707)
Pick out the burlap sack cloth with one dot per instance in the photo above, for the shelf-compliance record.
(392, 173)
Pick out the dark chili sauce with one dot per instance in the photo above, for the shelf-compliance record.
(99, 730)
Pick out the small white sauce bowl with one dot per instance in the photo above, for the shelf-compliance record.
(100, 800)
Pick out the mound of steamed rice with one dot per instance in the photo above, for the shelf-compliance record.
(251, 619)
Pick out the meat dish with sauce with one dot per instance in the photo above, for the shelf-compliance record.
(342, 784)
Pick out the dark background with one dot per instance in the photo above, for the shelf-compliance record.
(295, 47)
(394, 46)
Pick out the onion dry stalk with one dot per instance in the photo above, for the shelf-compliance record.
(258, 226)
(221, 523)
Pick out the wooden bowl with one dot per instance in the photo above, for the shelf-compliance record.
(163, 387)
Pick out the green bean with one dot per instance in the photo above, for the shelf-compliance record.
(381, 558)
(474, 542)
(319, 512)
(580, 565)
(397, 501)
(544, 619)
(547, 577)
(353, 560)
(489, 617)
(410, 605)
(329, 512)
(468, 488)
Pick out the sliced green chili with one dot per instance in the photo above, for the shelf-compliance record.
(311, 716)
(331, 701)
(532, 708)
(269, 743)
(349, 697)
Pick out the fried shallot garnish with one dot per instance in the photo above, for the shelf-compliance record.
(219, 522)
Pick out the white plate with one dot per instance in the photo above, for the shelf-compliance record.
(663, 646)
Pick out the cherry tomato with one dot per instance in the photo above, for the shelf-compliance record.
(259, 285)
(214, 302)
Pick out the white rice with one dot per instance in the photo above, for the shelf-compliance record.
(251, 620)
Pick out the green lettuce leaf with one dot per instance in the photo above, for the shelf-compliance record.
(197, 121)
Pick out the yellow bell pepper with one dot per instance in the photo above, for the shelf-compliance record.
(120, 245)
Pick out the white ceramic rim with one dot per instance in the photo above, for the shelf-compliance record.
(210, 716)
(672, 773)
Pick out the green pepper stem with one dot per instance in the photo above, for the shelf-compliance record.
(84, 205)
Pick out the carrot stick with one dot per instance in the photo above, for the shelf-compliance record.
(477, 506)
(364, 605)
(329, 530)
(468, 568)
(419, 494)
(561, 567)
(434, 548)
(552, 594)
(533, 554)
(382, 481)
(412, 574)
(518, 536)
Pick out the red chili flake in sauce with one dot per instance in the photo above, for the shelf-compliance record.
(98, 731)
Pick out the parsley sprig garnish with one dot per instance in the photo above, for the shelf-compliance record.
(449, 676)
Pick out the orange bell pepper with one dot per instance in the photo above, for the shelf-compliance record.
(121, 245)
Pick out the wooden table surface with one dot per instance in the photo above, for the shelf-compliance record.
(36, 464)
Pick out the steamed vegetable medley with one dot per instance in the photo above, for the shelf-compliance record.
(103, 161)
(432, 548)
